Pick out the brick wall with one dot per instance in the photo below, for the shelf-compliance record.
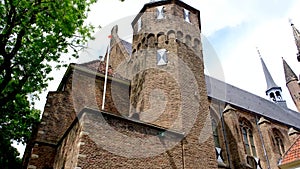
(114, 142)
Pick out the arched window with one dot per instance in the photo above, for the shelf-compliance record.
(248, 137)
(215, 132)
(278, 142)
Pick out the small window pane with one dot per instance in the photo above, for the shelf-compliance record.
(160, 14)
(139, 25)
(186, 14)
(253, 151)
(162, 57)
(247, 149)
(215, 133)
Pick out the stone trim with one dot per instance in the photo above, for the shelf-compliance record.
(228, 107)
(262, 120)
(292, 131)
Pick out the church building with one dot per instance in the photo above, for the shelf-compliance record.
(148, 104)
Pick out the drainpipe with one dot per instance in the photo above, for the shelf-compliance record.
(262, 142)
(225, 135)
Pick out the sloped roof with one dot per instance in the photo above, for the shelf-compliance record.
(292, 154)
(128, 46)
(230, 94)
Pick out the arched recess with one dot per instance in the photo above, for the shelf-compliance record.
(188, 40)
(196, 44)
(179, 36)
(248, 138)
(151, 40)
(161, 37)
(139, 46)
(171, 35)
(144, 43)
(278, 141)
(133, 51)
(215, 123)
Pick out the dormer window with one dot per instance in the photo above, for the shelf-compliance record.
(160, 12)
(139, 24)
(186, 15)
(161, 57)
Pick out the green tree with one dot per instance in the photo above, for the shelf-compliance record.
(33, 34)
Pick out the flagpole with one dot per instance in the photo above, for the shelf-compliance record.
(106, 73)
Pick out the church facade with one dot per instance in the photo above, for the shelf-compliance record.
(148, 104)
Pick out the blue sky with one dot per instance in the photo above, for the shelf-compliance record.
(233, 29)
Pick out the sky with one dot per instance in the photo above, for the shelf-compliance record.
(234, 29)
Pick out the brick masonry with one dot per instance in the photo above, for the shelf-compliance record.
(173, 129)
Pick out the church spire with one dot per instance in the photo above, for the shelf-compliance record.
(292, 84)
(273, 91)
(297, 39)
(288, 72)
(270, 82)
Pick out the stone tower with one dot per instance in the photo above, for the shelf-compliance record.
(273, 91)
(292, 84)
(167, 65)
(167, 75)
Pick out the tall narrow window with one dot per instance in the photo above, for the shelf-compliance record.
(279, 143)
(162, 57)
(139, 24)
(215, 133)
(160, 12)
(186, 15)
(248, 138)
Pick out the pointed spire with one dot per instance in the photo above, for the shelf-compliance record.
(297, 39)
(273, 91)
(289, 74)
(270, 82)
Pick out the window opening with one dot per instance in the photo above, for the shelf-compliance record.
(160, 12)
(139, 25)
(186, 15)
(162, 57)
(248, 139)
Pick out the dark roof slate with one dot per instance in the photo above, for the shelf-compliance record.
(127, 46)
(230, 94)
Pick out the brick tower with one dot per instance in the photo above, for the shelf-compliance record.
(167, 75)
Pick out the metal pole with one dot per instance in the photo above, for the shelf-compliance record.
(106, 72)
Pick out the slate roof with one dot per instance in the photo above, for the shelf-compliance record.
(230, 94)
(127, 46)
(292, 154)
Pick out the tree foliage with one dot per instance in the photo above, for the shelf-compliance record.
(33, 33)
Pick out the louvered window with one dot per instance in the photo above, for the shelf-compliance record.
(160, 12)
(162, 57)
(139, 24)
(186, 15)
